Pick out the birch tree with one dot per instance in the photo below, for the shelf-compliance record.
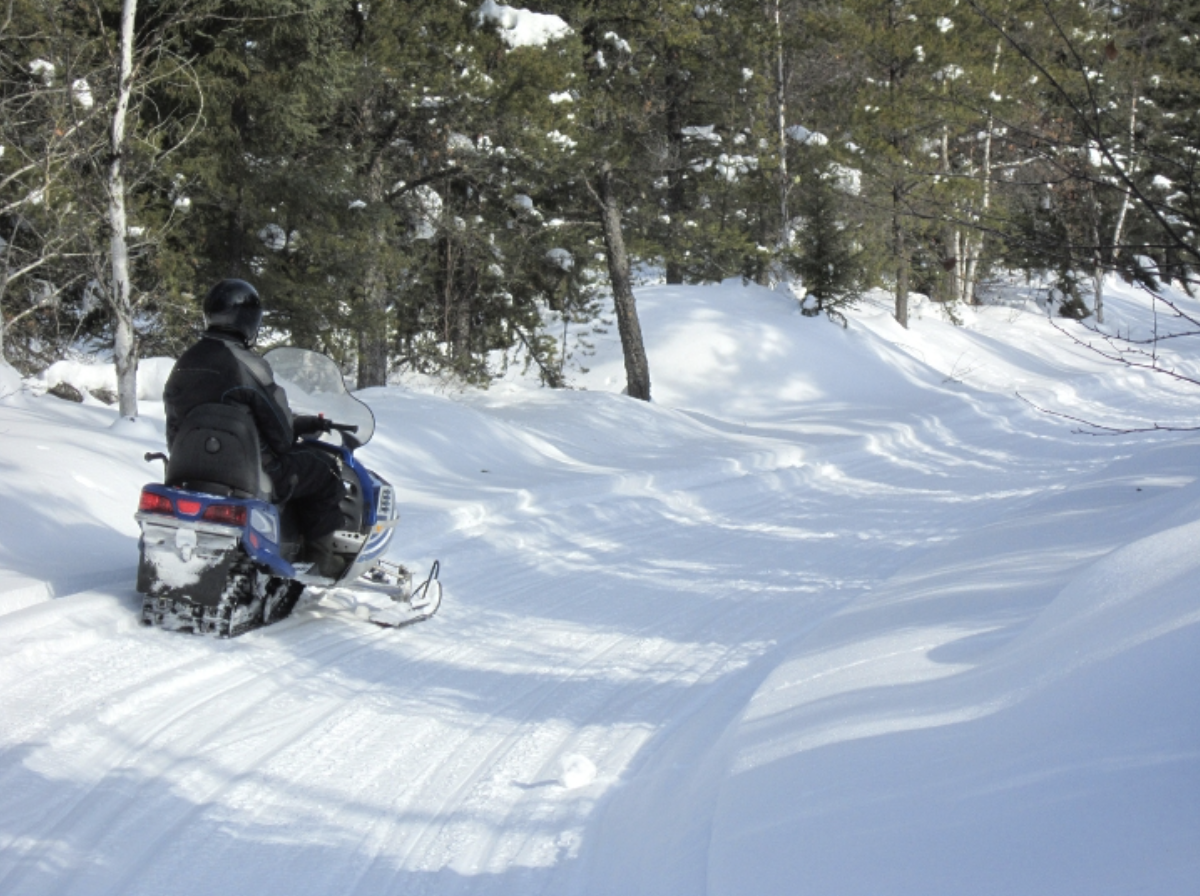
(121, 297)
(50, 128)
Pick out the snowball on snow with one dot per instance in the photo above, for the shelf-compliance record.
(520, 27)
(576, 771)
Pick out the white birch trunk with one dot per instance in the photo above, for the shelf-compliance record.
(785, 230)
(975, 250)
(975, 247)
(121, 293)
(1119, 230)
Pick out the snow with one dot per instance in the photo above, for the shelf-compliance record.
(837, 612)
(803, 135)
(10, 381)
(44, 69)
(847, 179)
(561, 258)
(704, 133)
(520, 27)
(618, 43)
(89, 375)
(561, 140)
(81, 92)
(576, 771)
(429, 210)
(274, 237)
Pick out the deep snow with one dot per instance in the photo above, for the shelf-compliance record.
(838, 613)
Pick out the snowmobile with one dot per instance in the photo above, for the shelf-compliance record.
(218, 556)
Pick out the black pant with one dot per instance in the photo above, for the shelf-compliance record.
(307, 479)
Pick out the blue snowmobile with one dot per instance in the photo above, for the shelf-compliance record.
(218, 556)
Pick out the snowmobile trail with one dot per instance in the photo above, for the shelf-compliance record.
(229, 724)
(624, 584)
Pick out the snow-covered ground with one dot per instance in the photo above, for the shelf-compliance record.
(838, 613)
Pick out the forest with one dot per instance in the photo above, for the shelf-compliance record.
(443, 186)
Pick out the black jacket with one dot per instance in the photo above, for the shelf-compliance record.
(219, 369)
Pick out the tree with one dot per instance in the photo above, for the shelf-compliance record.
(51, 131)
(1108, 179)
(612, 132)
(121, 290)
(830, 247)
(143, 57)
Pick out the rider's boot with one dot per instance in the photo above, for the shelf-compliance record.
(325, 562)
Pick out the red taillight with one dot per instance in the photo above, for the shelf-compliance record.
(226, 514)
(152, 502)
(188, 508)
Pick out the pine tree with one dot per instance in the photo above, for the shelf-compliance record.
(829, 252)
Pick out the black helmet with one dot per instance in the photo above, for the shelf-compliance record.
(233, 306)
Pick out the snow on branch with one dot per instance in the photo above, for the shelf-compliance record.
(520, 27)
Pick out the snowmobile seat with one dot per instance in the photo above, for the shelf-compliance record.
(217, 451)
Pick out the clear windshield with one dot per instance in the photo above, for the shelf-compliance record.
(314, 385)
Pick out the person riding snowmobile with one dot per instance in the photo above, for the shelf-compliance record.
(221, 369)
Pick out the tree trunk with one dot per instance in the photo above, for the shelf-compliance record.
(901, 261)
(1119, 229)
(462, 325)
(372, 338)
(785, 230)
(121, 294)
(373, 335)
(974, 247)
(1097, 276)
(637, 369)
(952, 233)
(676, 197)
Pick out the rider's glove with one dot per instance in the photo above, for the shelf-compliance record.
(306, 424)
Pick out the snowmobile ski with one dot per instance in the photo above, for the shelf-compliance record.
(419, 604)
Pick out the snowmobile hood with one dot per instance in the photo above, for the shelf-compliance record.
(314, 385)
